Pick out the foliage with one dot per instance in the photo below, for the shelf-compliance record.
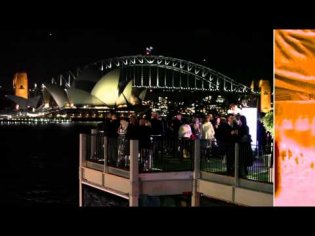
(268, 122)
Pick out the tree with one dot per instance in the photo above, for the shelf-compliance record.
(268, 122)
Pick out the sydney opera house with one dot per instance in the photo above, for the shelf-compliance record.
(89, 90)
(93, 90)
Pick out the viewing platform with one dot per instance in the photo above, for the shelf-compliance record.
(173, 167)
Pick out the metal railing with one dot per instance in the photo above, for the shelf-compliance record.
(167, 155)
(259, 168)
(253, 162)
(95, 148)
(104, 152)
(213, 157)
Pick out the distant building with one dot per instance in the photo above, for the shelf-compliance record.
(265, 96)
(20, 85)
(23, 103)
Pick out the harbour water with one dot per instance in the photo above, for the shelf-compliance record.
(39, 166)
(39, 163)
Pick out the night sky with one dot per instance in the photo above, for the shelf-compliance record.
(44, 53)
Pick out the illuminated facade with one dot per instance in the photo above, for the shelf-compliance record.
(265, 96)
(109, 90)
(20, 85)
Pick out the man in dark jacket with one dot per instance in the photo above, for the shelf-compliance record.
(228, 137)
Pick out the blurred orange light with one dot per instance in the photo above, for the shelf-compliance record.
(295, 117)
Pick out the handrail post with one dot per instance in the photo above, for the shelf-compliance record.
(195, 201)
(82, 162)
(93, 142)
(105, 154)
(134, 174)
(236, 165)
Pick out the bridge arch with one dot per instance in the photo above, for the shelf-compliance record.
(173, 70)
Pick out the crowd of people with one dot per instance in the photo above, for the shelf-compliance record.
(220, 132)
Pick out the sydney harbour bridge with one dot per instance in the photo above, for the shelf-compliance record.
(159, 72)
(158, 82)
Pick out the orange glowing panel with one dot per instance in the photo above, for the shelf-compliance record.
(295, 117)
(295, 153)
(294, 63)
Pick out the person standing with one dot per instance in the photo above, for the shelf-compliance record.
(207, 134)
(228, 137)
(245, 149)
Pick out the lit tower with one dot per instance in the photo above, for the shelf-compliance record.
(20, 85)
(265, 96)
